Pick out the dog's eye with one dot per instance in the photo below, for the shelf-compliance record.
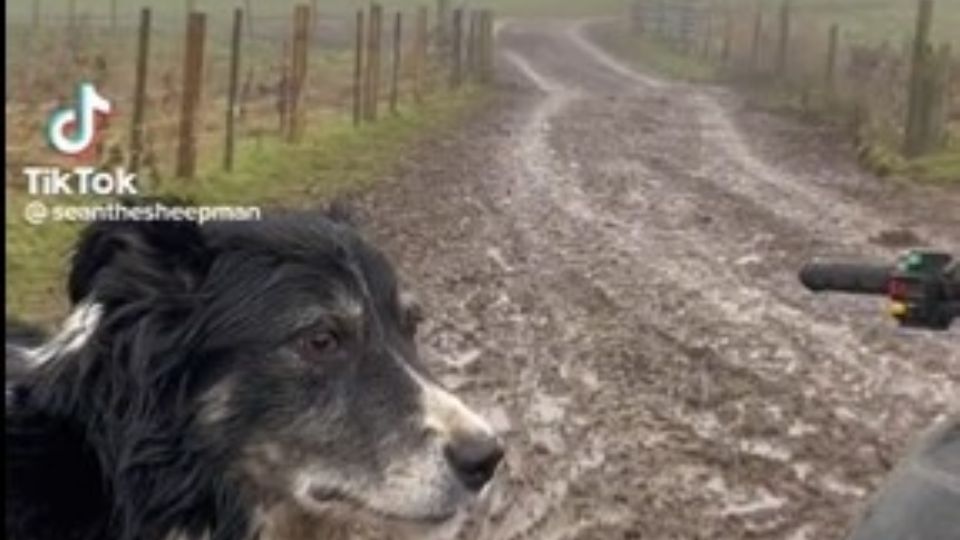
(320, 343)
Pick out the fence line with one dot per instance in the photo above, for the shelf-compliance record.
(180, 74)
(885, 92)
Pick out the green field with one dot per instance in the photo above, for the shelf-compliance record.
(870, 21)
(892, 20)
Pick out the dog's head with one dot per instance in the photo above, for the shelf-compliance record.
(297, 367)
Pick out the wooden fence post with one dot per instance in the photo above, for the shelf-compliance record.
(283, 94)
(374, 37)
(420, 53)
(471, 52)
(488, 46)
(491, 43)
(685, 31)
(757, 37)
(359, 81)
(925, 100)
(727, 38)
(192, 79)
(443, 26)
(913, 133)
(397, 55)
(298, 78)
(479, 45)
(140, 91)
(456, 72)
(228, 149)
(485, 46)
(661, 27)
(783, 49)
(678, 29)
(832, 46)
(637, 18)
(938, 110)
(708, 30)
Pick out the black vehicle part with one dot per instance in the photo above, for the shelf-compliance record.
(923, 287)
(921, 498)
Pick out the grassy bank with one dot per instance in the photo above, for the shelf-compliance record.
(333, 159)
(877, 149)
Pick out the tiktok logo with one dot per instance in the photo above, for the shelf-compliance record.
(81, 119)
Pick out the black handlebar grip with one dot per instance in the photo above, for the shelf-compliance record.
(851, 278)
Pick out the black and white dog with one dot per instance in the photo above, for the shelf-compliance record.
(210, 375)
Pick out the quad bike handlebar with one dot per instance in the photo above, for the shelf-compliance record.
(848, 278)
(923, 286)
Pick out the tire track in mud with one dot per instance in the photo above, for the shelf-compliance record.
(611, 275)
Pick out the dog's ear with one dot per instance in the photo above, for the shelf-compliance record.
(120, 259)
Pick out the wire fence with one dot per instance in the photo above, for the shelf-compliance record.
(905, 93)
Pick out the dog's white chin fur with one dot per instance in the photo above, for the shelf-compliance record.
(416, 488)
(352, 508)
(339, 520)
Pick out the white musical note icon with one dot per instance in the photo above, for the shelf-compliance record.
(82, 116)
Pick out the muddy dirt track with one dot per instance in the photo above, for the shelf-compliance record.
(608, 262)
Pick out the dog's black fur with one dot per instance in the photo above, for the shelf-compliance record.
(121, 439)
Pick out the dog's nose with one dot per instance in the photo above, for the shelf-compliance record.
(474, 458)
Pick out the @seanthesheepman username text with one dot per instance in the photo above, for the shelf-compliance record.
(87, 181)
(38, 212)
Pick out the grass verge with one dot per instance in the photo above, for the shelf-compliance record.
(333, 159)
(940, 167)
